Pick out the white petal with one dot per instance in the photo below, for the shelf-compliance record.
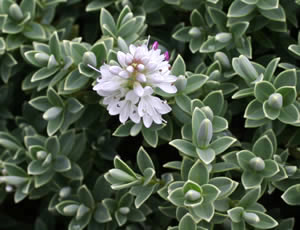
(124, 74)
(145, 60)
(124, 114)
(168, 88)
(121, 58)
(134, 116)
(132, 49)
(147, 120)
(151, 66)
(140, 67)
(141, 77)
(131, 96)
(138, 89)
(115, 69)
(128, 59)
(148, 90)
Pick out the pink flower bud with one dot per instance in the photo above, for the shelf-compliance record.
(155, 45)
(167, 57)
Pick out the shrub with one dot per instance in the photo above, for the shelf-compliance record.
(149, 114)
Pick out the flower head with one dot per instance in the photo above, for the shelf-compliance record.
(127, 86)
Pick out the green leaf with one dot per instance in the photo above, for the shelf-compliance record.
(215, 100)
(263, 90)
(251, 179)
(225, 185)
(62, 164)
(222, 144)
(239, 29)
(14, 170)
(143, 160)
(43, 73)
(243, 158)
(219, 124)
(263, 147)
(142, 193)
(286, 78)
(289, 114)
(195, 82)
(210, 192)
(250, 198)
(28, 6)
(205, 211)
(86, 197)
(9, 142)
(243, 93)
(107, 19)
(199, 173)
(268, 4)
(185, 147)
(288, 94)
(52, 145)
(102, 214)
(184, 102)
(271, 168)
(150, 136)
(212, 45)
(55, 124)
(182, 34)
(292, 195)
(75, 81)
(254, 110)
(235, 214)
(239, 9)
(54, 98)
(34, 31)
(119, 164)
(178, 67)
(270, 70)
(276, 14)
(36, 168)
(206, 155)
(123, 130)
(98, 4)
(265, 221)
(270, 112)
(187, 223)
(176, 197)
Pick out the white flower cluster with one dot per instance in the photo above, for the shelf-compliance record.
(127, 88)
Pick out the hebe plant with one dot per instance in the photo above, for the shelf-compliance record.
(225, 157)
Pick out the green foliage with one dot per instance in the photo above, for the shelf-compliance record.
(228, 147)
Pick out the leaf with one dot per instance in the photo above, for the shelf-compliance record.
(142, 193)
(98, 4)
(288, 93)
(107, 19)
(184, 102)
(35, 31)
(199, 173)
(268, 4)
(239, 9)
(265, 221)
(205, 211)
(263, 147)
(195, 82)
(102, 214)
(263, 90)
(62, 164)
(286, 78)
(254, 110)
(251, 180)
(178, 67)
(225, 185)
(176, 197)
(222, 144)
(292, 195)
(276, 14)
(43, 73)
(150, 136)
(187, 223)
(270, 112)
(250, 198)
(86, 196)
(270, 70)
(75, 81)
(143, 160)
(206, 155)
(289, 114)
(219, 124)
(215, 100)
(185, 147)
